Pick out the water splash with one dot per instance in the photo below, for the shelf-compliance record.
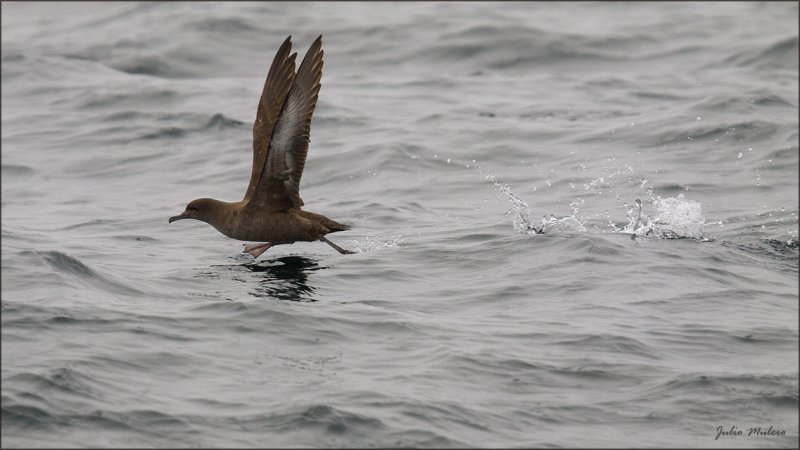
(569, 223)
(675, 218)
(523, 222)
(373, 242)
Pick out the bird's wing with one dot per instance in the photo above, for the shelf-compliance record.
(279, 186)
(276, 90)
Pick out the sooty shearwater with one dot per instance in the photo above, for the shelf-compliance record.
(270, 211)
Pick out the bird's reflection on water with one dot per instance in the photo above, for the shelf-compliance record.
(285, 278)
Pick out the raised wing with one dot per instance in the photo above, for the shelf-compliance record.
(276, 90)
(279, 186)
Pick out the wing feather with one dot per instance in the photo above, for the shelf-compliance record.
(276, 89)
(288, 146)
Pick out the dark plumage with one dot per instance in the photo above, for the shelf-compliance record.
(270, 211)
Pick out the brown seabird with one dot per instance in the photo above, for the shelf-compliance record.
(270, 211)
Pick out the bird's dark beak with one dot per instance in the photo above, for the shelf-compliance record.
(183, 215)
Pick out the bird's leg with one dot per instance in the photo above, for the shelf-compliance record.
(338, 249)
(257, 249)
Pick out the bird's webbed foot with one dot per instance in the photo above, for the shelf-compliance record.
(257, 249)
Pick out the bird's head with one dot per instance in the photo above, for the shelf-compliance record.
(201, 209)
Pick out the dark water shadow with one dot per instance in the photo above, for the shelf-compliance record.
(285, 278)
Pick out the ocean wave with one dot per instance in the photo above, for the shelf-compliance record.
(25, 417)
(59, 381)
(219, 122)
(94, 99)
(74, 269)
(733, 133)
(781, 250)
(167, 66)
(509, 47)
(221, 25)
(732, 389)
(136, 127)
(609, 343)
(75, 429)
(17, 170)
(327, 418)
(781, 54)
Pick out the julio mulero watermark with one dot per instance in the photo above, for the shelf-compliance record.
(749, 432)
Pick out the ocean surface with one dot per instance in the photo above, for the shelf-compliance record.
(448, 135)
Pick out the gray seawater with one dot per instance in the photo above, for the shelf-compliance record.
(444, 133)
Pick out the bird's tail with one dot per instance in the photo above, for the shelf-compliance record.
(331, 225)
(335, 226)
